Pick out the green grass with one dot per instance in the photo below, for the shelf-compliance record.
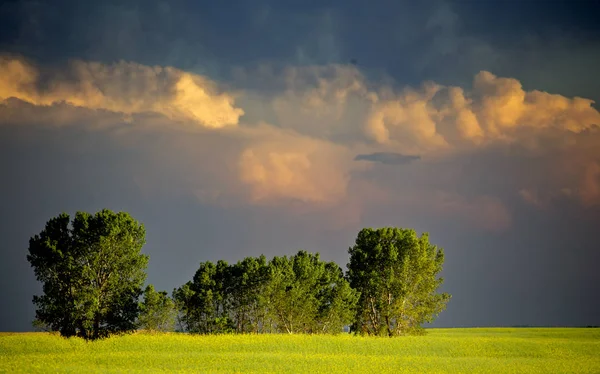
(475, 350)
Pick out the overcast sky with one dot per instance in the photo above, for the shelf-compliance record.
(240, 128)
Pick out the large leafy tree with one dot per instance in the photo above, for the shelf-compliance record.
(396, 273)
(92, 272)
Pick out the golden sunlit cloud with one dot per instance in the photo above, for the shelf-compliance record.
(123, 87)
(496, 109)
(407, 122)
(285, 165)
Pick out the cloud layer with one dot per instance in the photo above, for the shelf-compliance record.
(306, 125)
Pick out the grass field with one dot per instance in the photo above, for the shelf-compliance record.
(476, 350)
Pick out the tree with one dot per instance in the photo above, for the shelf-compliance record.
(308, 295)
(157, 311)
(91, 271)
(245, 298)
(292, 305)
(202, 303)
(395, 272)
(337, 300)
(186, 314)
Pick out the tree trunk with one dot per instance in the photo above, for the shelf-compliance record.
(82, 331)
(96, 326)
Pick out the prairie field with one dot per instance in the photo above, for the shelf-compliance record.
(457, 350)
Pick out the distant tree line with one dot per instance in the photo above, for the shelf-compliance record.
(92, 272)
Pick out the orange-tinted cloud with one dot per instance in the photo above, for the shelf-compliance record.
(407, 121)
(123, 87)
(284, 165)
(495, 109)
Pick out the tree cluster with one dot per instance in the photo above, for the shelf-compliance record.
(92, 272)
(299, 294)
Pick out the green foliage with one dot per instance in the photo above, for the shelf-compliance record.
(493, 350)
(308, 295)
(296, 294)
(157, 311)
(92, 272)
(395, 272)
(246, 294)
(202, 302)
(390, 289)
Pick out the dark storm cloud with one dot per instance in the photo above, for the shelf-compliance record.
(207, 39)
(387, 158)
(448, 41)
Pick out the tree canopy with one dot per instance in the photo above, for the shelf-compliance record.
(395, 272)
(92, 272)
(298, 294)
(157, 311)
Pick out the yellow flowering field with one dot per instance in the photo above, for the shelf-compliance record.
(471, 350)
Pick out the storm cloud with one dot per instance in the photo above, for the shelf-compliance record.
(226, 147)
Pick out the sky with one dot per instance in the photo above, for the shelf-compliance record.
(266, 127)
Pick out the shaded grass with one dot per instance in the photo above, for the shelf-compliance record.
(474, 350)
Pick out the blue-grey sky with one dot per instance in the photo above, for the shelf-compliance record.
(242, 128)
